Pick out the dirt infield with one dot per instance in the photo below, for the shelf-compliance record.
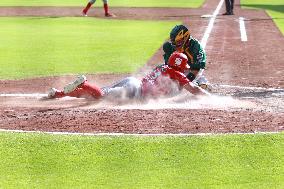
(247, 78)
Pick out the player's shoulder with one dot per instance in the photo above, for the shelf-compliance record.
(194, 42)
(195, 45)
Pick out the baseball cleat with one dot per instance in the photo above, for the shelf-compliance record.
(72, 86)
(84, 13)
(51, 93)
(228, 13)
(109, 15)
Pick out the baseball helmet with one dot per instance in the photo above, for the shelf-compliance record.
(178, 61)
(179, 35)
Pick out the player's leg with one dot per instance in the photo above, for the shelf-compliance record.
(106, 9)
(79, 93)
(55, 93)
(75, 84)
(227, 4)
(129, 87)
(81, 83)
(92, 90)
(88, 6)
(232, 6)
(78, 88)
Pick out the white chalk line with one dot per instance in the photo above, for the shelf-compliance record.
(210, 25)
(136, 134)
(243, 29)
(39, 95)
(250, 88)
(23, 95)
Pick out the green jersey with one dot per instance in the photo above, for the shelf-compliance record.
(193, 50)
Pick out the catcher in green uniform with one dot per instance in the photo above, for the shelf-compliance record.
(183, 42)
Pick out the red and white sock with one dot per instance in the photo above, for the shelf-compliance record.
(106, 9)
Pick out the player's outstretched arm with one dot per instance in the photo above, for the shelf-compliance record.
(196, 90)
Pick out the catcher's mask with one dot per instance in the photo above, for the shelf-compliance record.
(178, 61)
(179, 35)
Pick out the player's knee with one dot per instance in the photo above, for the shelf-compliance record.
(133, 83)
(133, 87)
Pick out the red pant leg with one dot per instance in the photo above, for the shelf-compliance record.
(92, 89)
(79, 92)
(84, 90)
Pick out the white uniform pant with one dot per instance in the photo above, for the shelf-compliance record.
(129, 87)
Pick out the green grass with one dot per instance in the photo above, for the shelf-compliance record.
(113, 3)
(222, 161)
(274, 8)
(38, 46)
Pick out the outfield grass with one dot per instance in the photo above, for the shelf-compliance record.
(38, 46)
(113, 3)
(222, 161)
(274, 8)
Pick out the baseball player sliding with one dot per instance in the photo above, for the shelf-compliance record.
(161, 81)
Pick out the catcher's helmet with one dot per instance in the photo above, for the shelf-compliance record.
(179, 35)
(178, 61)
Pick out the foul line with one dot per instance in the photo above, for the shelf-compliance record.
(211, 24)
(23, 95)
(243, 29)
(251, 88)
(134, 134)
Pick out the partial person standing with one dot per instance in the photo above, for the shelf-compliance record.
(106, 8)
(229, 7)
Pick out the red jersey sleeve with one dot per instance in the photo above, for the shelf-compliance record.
(177, 76)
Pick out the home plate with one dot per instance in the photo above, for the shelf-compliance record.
(206, 16)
